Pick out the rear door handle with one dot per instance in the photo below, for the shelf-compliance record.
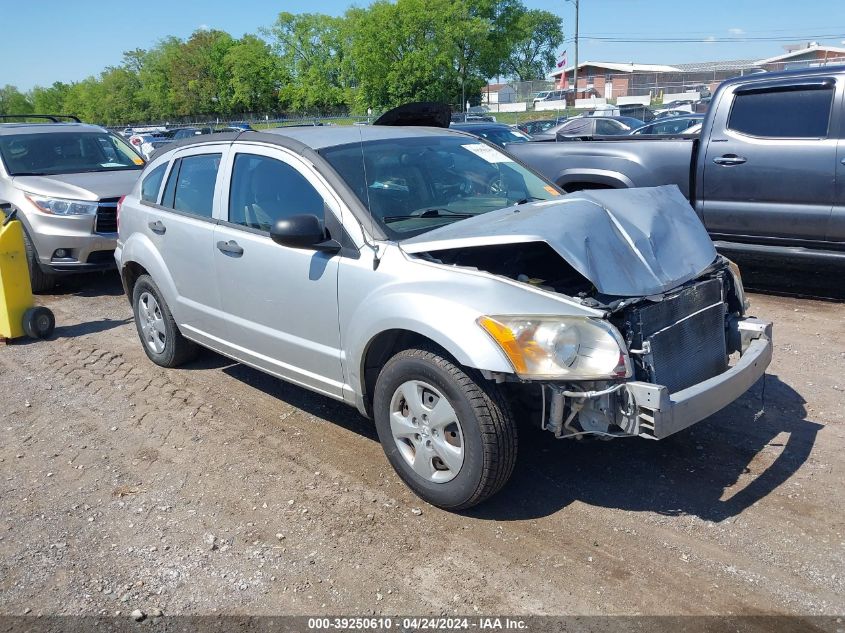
(157, 227)
(230, 248)
(729, 159)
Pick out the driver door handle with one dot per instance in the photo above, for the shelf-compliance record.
(729, 159)
(230, 248)
(157, 227)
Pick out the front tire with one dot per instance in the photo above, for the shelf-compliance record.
(38, 279)
(447, 432)
(159, 334)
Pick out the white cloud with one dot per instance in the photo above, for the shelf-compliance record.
(736, 31)
(709, 39)
(203, 27)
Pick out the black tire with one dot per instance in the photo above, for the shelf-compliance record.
(177, 349)
(489, 430)
(38, 279)
(39, 322)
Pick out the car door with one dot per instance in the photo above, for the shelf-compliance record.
(768, 168)
(280, 303)
(181, 226)
(836, 227)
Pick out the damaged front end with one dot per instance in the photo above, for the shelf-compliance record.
(673, 311)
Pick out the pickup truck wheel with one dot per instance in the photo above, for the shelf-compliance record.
(159, 334)
(448, 432)
(38, 279)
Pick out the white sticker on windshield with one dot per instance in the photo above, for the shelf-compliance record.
(487, 153)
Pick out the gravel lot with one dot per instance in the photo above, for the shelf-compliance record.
(218, 489)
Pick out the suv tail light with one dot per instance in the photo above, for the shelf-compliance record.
(117, 215)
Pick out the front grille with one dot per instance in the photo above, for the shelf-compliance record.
(106, 221)
(684, 336)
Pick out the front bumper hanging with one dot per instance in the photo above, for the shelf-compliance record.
(651, 411)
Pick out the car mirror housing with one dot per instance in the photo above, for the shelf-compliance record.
(303, 231)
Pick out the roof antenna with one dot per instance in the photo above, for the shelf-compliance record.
(376, 256)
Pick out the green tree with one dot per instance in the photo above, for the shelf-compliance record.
(536, 36)
(254, 75)
(311, 49)
(197, 75)
(418, 50)
(13, 101)
(50, 100)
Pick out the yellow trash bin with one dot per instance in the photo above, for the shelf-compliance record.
(18, 316)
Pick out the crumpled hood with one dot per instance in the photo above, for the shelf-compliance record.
(83, 186)
(627, 242)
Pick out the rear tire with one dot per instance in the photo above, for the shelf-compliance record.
(464, 458)
(38, 279)
(159, 334)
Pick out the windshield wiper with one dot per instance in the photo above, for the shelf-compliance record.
(30, 173)
(430, 213)
(528, 199)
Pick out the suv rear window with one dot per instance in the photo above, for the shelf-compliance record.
(190, 186)
(783, 113)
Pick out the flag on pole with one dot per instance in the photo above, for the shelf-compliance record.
(561, 61)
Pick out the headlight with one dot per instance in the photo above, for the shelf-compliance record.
(60, 206)
(740, 289)
(559, 348)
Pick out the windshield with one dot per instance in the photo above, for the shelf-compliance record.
(52, 153)
(413, 185)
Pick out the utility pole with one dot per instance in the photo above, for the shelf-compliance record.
(575, 68)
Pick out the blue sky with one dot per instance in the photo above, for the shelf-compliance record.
(67, 41)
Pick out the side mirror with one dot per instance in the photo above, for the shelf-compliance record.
(303, 231)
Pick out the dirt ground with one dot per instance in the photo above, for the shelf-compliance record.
(217, 489)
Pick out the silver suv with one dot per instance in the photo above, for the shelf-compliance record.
(65, 180)
(445, 290)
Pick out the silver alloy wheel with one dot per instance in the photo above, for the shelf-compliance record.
(427, 431)
(152, 322)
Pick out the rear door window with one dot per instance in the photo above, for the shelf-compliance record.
(783, 113)
(190, 186)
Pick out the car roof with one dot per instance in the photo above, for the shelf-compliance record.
(7, 129)
(313, 137)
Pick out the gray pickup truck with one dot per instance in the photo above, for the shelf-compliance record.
(766, 174)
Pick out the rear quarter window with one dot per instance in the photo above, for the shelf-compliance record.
(151, 184)
(783, 113)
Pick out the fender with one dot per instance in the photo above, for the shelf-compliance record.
(612, 179)
(449, 324)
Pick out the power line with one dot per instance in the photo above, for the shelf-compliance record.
(708, 39)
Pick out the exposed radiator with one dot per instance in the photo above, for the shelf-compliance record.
(684, 337)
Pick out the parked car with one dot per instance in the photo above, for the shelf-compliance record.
(64, 180)
(588, 126)
(425, 277)
(766, 174)
(637, 111)
(465, 117)
(553, 95)
(671, 125)
(497, 133)
(145, 143)
(664, 113)
(538, 126)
